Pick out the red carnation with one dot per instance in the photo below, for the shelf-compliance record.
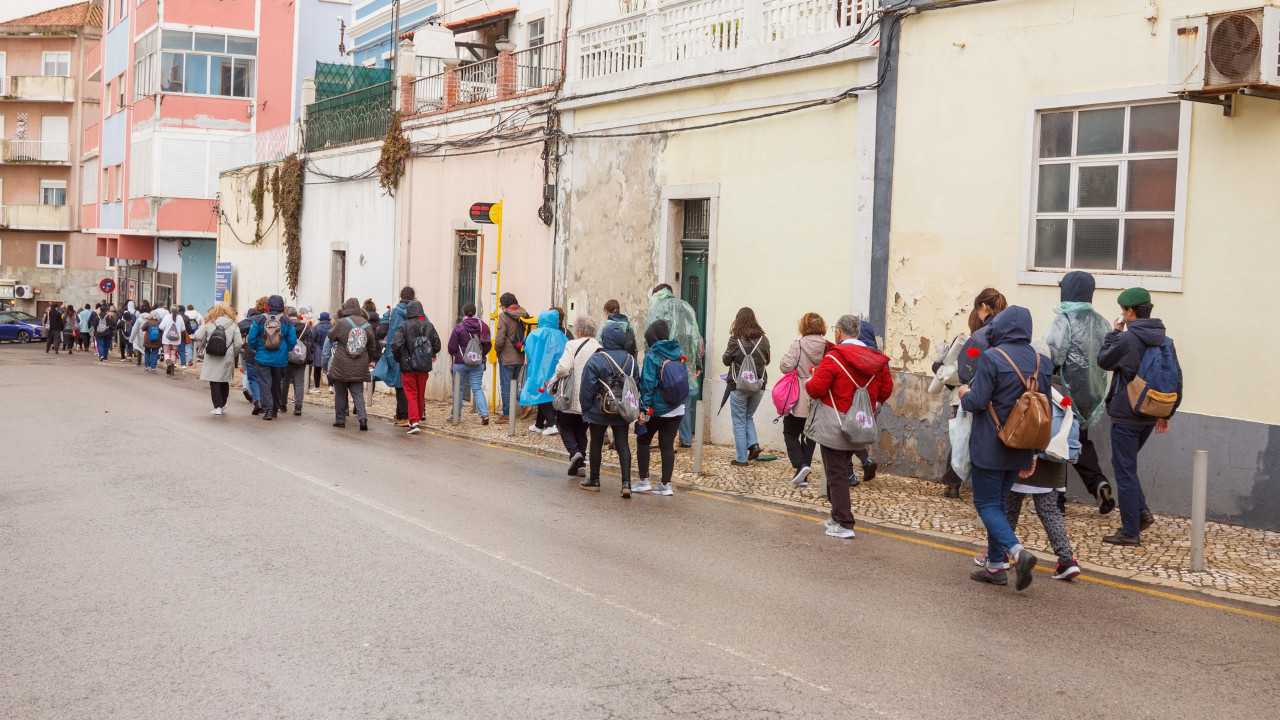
(972, 352)
(1066, 402)
(684, 359)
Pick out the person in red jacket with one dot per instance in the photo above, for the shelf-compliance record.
(846, 362)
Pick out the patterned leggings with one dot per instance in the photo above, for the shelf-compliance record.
(1050, 516)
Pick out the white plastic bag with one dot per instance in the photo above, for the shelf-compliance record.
(958, 428)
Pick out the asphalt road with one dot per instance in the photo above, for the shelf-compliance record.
(159, 562)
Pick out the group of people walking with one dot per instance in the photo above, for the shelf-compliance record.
(597, 383)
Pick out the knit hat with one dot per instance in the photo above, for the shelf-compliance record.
(1133, 297)
(324, 316)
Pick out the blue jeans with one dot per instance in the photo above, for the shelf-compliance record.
(686, 423)
(182, 355)
(191, 351)
(251, 379)
(104, 344)
(743, 409)
(1126, 441)
(505, 373)
(152, 358)
(990, 495)
(474, 378)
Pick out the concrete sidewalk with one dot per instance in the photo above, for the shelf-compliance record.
(1240, 563)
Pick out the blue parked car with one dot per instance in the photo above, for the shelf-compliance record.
(20, 326)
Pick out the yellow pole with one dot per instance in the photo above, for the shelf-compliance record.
(495, 214)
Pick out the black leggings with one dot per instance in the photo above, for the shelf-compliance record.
(620, 444)
(219, 392)
(546, 416)
(666, 429)
(315, 377)
(799, 448)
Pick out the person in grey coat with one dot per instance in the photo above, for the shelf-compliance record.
(218, 371)
(349, 372)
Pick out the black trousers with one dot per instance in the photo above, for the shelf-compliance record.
(269, 381)
(53, 340)
(665, 429)
(573, 433)
(620, 443)
(219, 392)
(799, 448)
(402, 404)
(838, 466)
(1087, 466)
(546, 416)
(315, 377)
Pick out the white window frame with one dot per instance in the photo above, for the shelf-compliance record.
(44, 62)
(1112, 280)
(54, 185)
(51, 243)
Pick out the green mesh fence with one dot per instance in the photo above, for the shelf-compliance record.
(333, 80)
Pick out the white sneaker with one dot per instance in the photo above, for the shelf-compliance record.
(664, 489)
(829, 523)
(800, 480)
(414, 429)
(535, 429)
(838, 531)
(553, 430)
(313, 391)
(642, 485)
(216, 411)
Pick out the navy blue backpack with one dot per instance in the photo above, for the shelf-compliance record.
(1154, 390)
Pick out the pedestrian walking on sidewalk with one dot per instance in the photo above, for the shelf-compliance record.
(295, 374)
(152, 339)
(509, 343)
(354, 350)
(847, 366)
(664, 385)
(249, 385)
(1137, 341)
(271, 337)
(469, 346)
(866, 336)
(682, 320)
(194, 321)
(103, 326)
(986, 306)
(996, 388)
(220, 337)
(415, 345)
(607, 365)
(70, 329)
(387, 369)
(802, 357)
(569, 368)
(1075, 338)
(318, 335)
(138, 334)
(53, 326)
(747, 357)
(172, 327)
(614, 316)
(542, 350)
(84, 330)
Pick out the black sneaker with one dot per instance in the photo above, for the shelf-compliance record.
(247, 395)
(1106, 502)
(1024, 565)
(592, 485)
(854, 481)
(1062, 503)
(1122, 539)
(297, 411)
(257, 409)
(1066, 570)
(364, 425)
(995, 577)
(951, 492)
(626, 488)
(753, 452)
(869, 470)
(1145, 520)
(736, 463)
(339, 424)
(268, 416)
(575, 464)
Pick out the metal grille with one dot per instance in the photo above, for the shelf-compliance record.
(358, 116)
(468, 243)
(697, 219)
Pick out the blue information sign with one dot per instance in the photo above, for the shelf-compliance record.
(222, 282)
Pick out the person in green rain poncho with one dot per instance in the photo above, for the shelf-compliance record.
(683, 324)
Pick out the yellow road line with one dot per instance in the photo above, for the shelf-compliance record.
(904, 538)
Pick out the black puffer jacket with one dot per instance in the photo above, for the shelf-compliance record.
(415, 325)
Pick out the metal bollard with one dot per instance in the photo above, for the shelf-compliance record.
(456, 416)
(515, 407)
(1199, 500)
(699, 421)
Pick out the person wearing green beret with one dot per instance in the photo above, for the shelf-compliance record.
(1146, 389)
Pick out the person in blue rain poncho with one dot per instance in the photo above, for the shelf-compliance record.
(542, 350)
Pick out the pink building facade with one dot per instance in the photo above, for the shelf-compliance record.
(47, 102)
(181, 79)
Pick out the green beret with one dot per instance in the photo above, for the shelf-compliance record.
(1133, 297)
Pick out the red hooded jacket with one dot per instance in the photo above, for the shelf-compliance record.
(867, 367)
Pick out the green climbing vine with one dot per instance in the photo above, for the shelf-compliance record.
(286, 187)
(395, 148)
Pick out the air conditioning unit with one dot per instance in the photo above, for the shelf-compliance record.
(1224, 52)
(22, 292)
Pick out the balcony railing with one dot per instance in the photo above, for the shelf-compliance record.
(428, 93)
(55, 88)
(37, 217)
(35, 151)
(478, 82)
(538, 67)
(353, 117)
(264, 146)
(660, 31)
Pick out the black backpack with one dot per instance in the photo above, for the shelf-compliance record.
(216, 345)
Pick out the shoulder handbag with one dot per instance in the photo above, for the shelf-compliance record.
(562, 388)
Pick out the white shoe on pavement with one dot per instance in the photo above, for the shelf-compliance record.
(829, 523)
(553, 430)
(800, 480)
(216, 411)
(664, 489)
(641, 485)
(535, 429)
(839, 531)
(313, 391)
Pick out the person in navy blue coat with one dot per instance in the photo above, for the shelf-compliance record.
(996, 466)
(594, 374)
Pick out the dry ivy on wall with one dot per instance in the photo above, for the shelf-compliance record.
(395, 148)
(286, 190)
(257, 197)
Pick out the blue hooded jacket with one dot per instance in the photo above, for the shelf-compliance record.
(542, 350)
(995, 382)
(288, 336)
(598, 369)
(651, 379)
(387, 369)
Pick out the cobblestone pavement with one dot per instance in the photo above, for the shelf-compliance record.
(1238, 561)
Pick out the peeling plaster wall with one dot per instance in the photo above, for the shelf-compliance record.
(256, 270)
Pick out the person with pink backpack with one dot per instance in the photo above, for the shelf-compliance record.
(789, 398)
